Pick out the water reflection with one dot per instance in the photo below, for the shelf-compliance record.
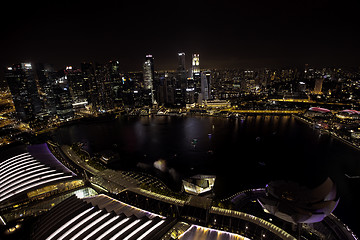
(287, 149)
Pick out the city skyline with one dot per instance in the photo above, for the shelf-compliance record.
(41, 92)
(211, 118)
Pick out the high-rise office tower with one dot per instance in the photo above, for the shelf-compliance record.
(98, 84)
(181, 62)
(148, 72)
(21, 81)
(181, 81)
(46, 79)
(117, 80)
(76, 84)
(104, 82)
(191, 95)
(318, 85)
(190, 91)
(206, 85)
(64, 108)
(89, 81)
(195, 67)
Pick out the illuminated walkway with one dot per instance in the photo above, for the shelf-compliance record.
(266, 111)
(203, 233)
(250, 218)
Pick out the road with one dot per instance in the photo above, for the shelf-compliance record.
(77, 160)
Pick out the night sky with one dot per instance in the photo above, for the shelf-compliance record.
(240, 34)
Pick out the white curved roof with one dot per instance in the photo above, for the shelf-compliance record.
(22, 173)
(77, 219)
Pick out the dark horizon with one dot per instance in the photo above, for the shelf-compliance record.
(171, 65)
(226, 35)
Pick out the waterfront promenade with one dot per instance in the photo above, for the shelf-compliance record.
(330, 132)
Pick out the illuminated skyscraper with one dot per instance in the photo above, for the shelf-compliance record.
(181, 62)
(148, 71)
(318, 85)
(46, 79)
(195, 63)
(89, 83)
(195, 70)
(105, 96)
(21, 81)
(181, 81)
(206, 85)
(77, 86)
(63, 99)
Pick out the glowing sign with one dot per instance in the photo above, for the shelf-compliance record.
(26, 66)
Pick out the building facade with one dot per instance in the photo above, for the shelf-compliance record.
(22, 84)
(148, 73)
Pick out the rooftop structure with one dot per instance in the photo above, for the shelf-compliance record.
(317, 112)
(29, 176)
(217, 103)
(318, 109)
(351, 111)
(199, 184)
(110, 204)
(100, 217)
(348, 114)
(108, 156)
(299, 204)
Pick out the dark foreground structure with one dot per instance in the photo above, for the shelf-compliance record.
(32, 180)
(38, 192)
(298, 204)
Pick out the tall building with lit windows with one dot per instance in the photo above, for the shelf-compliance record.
(195, 67)
(196, 75)
(45, 78)
(181, 62)
(318, 85)
(206, 85)
(181, 80)
(21, 81)
(148, 73)
(63, 99)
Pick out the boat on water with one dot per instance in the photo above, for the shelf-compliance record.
(161, 113)
(194, 141)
